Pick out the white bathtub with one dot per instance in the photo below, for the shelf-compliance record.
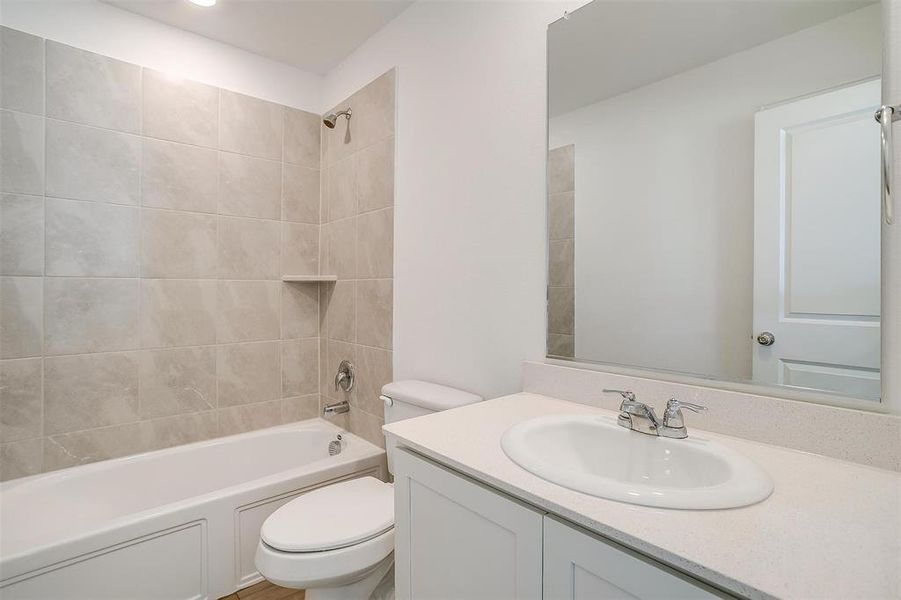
(177, 523)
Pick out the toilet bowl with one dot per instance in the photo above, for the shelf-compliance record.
(337, 542)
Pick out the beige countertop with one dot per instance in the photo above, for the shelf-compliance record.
(831, 529)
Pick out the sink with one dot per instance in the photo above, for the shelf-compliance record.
(594, 455)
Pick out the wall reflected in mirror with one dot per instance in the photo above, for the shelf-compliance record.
(714, 190)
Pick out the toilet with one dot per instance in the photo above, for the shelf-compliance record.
(337, 542)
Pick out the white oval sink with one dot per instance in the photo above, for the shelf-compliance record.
(594, 455)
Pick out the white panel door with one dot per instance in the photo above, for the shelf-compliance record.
(458, 540)
(816, 242)
(581, 566)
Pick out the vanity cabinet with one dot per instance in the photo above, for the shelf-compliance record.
(457, 538)
(581, 566)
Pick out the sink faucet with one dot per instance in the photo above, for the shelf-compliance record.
(640, 417)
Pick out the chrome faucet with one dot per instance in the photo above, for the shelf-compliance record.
(640, 417)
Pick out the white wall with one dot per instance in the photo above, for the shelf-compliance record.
(107, 30)
(664, 258)
(470, 200)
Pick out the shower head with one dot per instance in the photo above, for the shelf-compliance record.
(330, 119)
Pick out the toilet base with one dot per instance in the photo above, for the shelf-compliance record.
(358, 590)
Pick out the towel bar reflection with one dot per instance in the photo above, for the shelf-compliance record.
(885, 116)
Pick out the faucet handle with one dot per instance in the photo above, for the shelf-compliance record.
(626, 394)
(673, 405)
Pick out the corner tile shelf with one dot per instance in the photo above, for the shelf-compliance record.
(309, 278)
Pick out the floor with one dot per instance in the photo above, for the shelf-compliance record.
(265, 591)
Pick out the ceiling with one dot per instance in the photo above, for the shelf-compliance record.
(609, 47)
(313, 35)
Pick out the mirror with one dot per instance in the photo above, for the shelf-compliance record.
(714, 191)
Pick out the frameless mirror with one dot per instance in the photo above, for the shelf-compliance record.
(714, 191)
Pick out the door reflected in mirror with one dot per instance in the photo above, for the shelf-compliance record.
(714, 191)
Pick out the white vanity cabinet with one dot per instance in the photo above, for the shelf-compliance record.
(581, 566)
(461, 540)
(456, 539)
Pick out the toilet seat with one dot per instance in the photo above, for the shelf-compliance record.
(332, 517)
(302, 570)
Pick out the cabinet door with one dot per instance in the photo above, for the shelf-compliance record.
(582, 566)
(457, 539)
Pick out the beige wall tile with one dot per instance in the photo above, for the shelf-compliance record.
(561, 263)
(374, 110)
(340, 312)
(22, 458)
(92, 89)
(300, 367)
(21, 235)
(368, 427)
(561, 309)
(177, 312)
(21, 71)
(300, 194)
(20, 317)
(239, 419)
(21, 153)
(300, 409)
(86, 163)
(175, 431)
(373, 370)
(248, 311)
(180, 110)
(249, 187)
(302, 137)
(342, 202)
(300, 310)
(341, 239)
(561, 216)
(248, 248)
(375, 176)
(90, 239)
(21, 399)
(559, 344)
(374, 312)
(561, 169)
(300, 249)
(248, 373)
(177, 381)
(179, 176)
(90, 315)
(178, 244)
(250, 126)
(375, 244)
(84, 447)
(89, 390)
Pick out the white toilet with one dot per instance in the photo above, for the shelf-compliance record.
(337, 542)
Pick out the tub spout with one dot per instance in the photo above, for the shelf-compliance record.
(335, 409)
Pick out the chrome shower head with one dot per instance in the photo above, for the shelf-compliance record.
(332, 118)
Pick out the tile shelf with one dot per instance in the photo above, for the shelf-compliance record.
(309, 278)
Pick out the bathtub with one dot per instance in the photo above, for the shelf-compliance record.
(177, 523)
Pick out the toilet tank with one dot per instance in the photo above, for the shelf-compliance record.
(412, 398)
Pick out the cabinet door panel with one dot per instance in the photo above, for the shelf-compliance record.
(581, 566)
(457, 539)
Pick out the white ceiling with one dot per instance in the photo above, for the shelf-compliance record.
(313, 35)
(609, 47)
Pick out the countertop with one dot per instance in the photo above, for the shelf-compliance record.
(831, 529)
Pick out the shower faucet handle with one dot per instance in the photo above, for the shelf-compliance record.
(344, 378)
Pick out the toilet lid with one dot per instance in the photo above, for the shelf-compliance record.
(334, 516)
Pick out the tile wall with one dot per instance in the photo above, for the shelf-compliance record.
(145, 224)
(358, 247)
(561, 251)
